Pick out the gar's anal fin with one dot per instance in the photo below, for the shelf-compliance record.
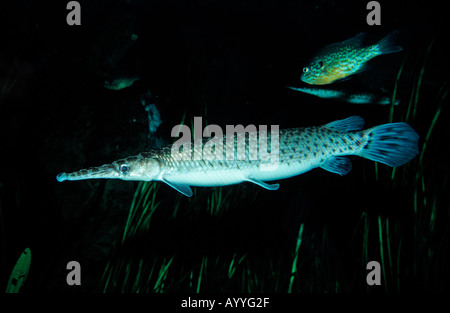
(338, 165)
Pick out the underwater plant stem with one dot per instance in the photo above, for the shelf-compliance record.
(159, 285)
(394, 93)
(422, 71)
(388, 244)
(202, 266)
(380, 232)
(376, 171)
(131, 214)
(365, 239)
(108, 277)
(432, 125)
(398, 263)
(294, 262)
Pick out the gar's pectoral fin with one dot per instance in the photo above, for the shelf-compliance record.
(183, 188)
(263, 184)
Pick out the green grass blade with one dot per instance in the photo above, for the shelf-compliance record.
(294, 262)
(383, 264)
(19, 273)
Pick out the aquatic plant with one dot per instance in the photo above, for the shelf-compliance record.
(422, 185)
(19, 273)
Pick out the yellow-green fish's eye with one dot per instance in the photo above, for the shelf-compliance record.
(321, 64)
(305, 70)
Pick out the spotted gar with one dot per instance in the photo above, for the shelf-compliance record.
(297, 150)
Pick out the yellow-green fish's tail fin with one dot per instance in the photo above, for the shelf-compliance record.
(393, 144)
(388, 45)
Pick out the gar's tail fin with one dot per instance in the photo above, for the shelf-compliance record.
(388, 45)
(393, 144)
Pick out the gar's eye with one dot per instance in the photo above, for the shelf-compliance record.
(124, 169)
(321, 64)
(305, 70)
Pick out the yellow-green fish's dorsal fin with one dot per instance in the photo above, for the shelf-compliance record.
(356, 40)
(351, 123)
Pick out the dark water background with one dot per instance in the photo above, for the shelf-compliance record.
(227, 61)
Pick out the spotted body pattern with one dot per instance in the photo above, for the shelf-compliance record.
(340, 60)
(299, 150)
(295, 151)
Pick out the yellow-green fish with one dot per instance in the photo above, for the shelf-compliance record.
(340, 60)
